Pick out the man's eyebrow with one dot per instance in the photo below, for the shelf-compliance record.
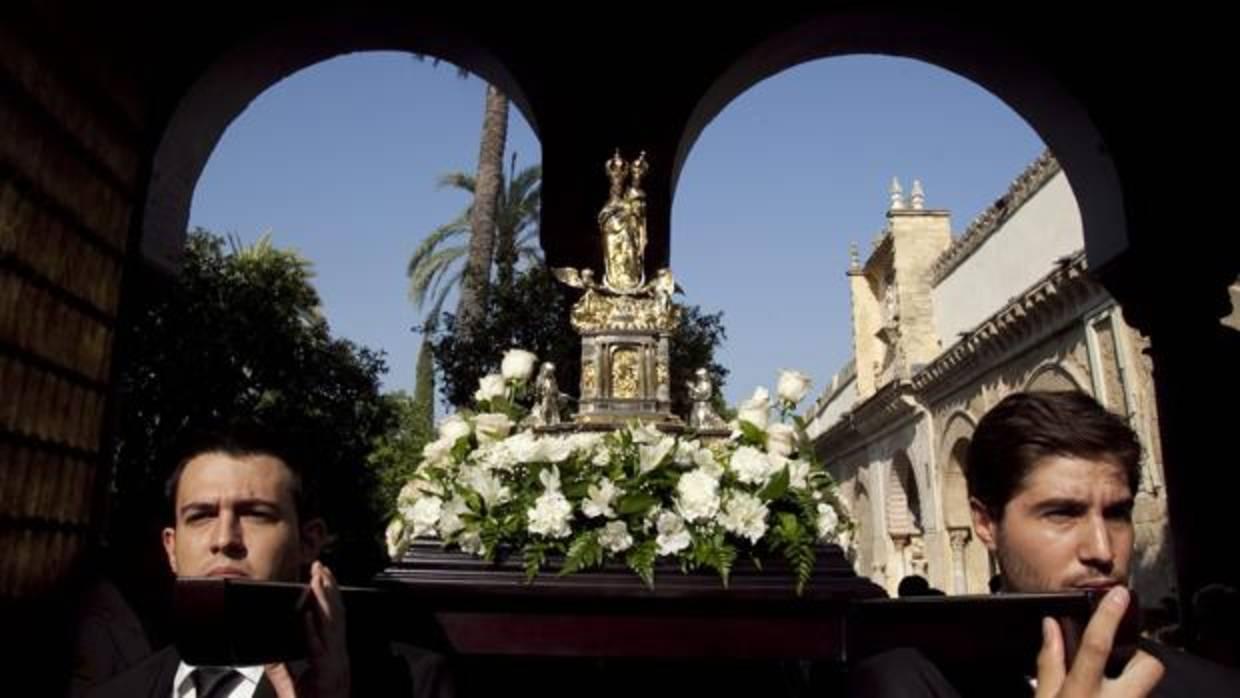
(247, 503)
(253, 502)
(1060, 503)
(1125, 503)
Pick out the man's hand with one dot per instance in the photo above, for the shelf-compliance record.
(1085, 678)
(328, 674)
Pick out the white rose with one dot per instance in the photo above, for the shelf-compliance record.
(518, 365)
(550, 515)
(744, 515)
(523, 446)
(756, 409)
(798, 474)
(490, 387)
(599, 498)
(615, 537)
(424, 515)
(780, 439)
(704, 459)
(649, 457)
(828, 519)
(492, 456)
(554, 449)
(673, 536)
(487, 485)
(471, 542)
(792, 386)
(685, 450)
(646, 433)
(491, 426)
(697, 496)
(751, 466)
(414, 490)
(585, 443)
(452, 428)
(437, 450)
(397, 542)
(450, 517)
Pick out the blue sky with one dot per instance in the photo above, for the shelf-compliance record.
(340, 161)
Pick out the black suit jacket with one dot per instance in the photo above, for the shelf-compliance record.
(907, 673)
(152, 678)
(381, 671)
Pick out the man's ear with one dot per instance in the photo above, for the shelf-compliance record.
(170, 548)
(313, 538)
(984, 524)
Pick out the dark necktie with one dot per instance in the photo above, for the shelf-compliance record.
(214, 681)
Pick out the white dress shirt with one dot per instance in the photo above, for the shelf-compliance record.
(183, 683)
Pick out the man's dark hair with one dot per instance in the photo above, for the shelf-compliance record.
(239, 442)
(913, 585)
(1027, 427)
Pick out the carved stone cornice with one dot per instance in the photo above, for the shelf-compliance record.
(1022, 319)
(1026, 184)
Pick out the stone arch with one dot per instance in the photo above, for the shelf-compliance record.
(1058, 117)
(905, 525)
(235, 78)
(1053, 376)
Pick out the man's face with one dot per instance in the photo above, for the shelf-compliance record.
(1068, 526)
(236, 517)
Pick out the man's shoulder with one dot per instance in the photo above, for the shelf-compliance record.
(150, 677)
(400, 669)
(1189, 675)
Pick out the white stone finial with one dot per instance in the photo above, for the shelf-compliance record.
(897, 195)
(919, 196)
(854, 260)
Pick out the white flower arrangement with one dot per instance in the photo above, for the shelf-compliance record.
(634, 494)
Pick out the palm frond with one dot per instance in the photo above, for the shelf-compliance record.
(434, 267)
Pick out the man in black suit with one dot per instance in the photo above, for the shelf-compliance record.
(240, 509)
(1052, 478)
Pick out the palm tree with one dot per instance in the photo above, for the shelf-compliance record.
(482, 219)
(435, 269)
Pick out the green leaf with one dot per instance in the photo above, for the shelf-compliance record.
(635, 503)
(461, 449)
(472, 499)
(797, 545)
(752, 434)
(576, 490)
(777, 486)
(641, 559)
(535, 555)
(584, 552)
(715, 552)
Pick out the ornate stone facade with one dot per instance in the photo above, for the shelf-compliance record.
(895, 423)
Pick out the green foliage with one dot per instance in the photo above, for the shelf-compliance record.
(238, 336)
(777, 486)
(640, 559)
(535, 555)
(712, 550)
(396, 452)
(797, 545)
(585, 552)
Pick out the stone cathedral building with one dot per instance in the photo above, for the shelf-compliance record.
(943, 328)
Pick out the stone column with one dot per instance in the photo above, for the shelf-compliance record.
(960, 575)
